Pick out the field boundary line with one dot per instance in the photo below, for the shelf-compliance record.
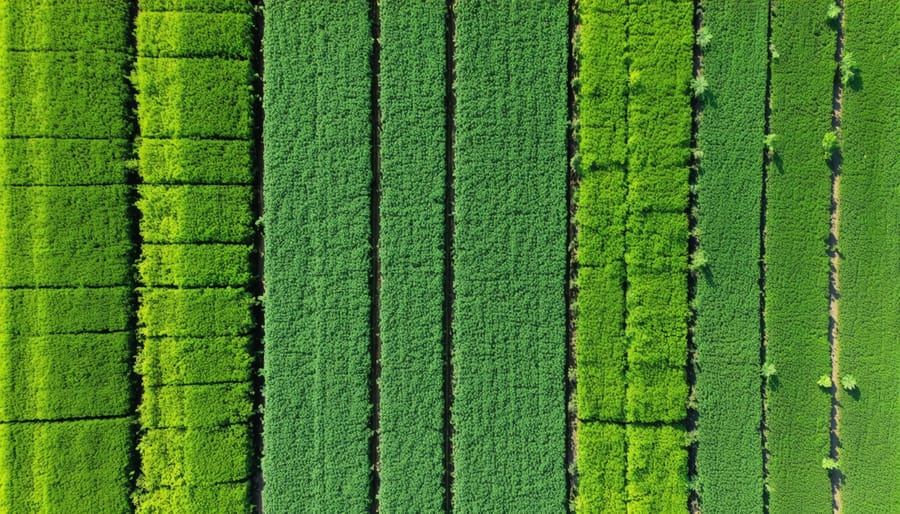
(375, 259)
(449, 235)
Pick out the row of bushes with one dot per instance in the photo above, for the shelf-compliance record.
(193, 79)
(65, 256)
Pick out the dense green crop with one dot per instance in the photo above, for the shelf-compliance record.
(510, 256)
(634, 130)
(729, 183)
(412, 258)
(193, 79)
(66, 466)
(797, 225)
(64, 236)
(65, 257)
(869, 242)
(600, 216)
(318, 174)
(63, 25)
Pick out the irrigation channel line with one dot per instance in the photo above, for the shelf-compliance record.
(834, 261)
(449, 234)
(571, 292)
(625, 182)
(693, 414)
(257, 262)
(134, 182)
(375, 259)
(763, 206)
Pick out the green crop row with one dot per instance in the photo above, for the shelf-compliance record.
(195, 161)
(413, 173)
(600, 219)
(634, 127)
(56, 94)
(729, 186)
(869, 243)
(210, 6)
(65, 252)
(62, 162)
(63, 25)
(318, 172)
(510, 256)
(64, 376)
(195, 315)
(66, 466)
(798, 193)
(196, 214)
(64, 236)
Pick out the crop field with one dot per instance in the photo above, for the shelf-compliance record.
(407, 256)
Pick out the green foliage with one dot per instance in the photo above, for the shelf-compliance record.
(798, 193)
(411, 246)
(51, 377)
(193, 97)
(848, 68)
(59, 162)
(194, 34)
(63, 311)
(848, 383)
(317, 134)
(830, 144)
(699, 86)
(601, 471)
(834, 12)
(704, 36)
(870, 251)
(58, 25)
(769, 142)
(767, 370)
(66, 466)
(64, 236)
(195, 159)
(56, 94)
(195, 214)
(600, 217)
(510, 256)
(825, 382)
(656, 478)
(727, 320)
(192, 265)
(829, 464)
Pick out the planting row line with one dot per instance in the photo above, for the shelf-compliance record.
(66, 351)
(634, 114)
(194, 81)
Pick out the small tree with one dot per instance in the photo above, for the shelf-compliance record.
(825, 382)
(830, 144)
(703, 37)
(769, 142)
(829, 464)
(833, 11)
(699, 85)
(768, 370)
(848, 382)
(848, 68)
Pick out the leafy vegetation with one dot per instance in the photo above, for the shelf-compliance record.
(413, 175)
(869, 239)
(64, 259)
(727, 325)
(798, 193)
(318, 173)
(192, 79)
(510, 257)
